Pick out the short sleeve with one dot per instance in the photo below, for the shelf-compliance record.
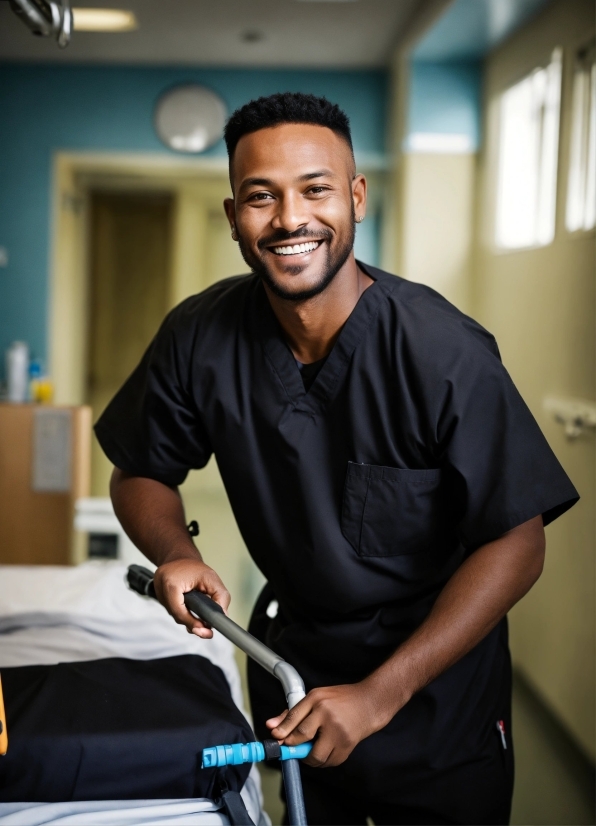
(500, 470)
(152, 427)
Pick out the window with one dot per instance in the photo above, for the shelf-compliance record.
(528, 147)
(581, 190)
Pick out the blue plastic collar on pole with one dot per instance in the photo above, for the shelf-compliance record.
(238, 753)
(295, 752)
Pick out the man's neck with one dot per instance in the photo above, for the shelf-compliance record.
(312, 326)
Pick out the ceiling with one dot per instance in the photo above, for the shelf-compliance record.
(251, 33)
(471, 28)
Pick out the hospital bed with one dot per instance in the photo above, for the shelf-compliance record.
(51, 615)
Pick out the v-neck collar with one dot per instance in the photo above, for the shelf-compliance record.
(282, 359)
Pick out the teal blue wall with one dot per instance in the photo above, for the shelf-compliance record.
(446, 67)
(445, 98)
(471, 28)
(45, 109)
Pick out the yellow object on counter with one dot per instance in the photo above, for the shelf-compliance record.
(42, 390)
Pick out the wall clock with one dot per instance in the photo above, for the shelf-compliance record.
(190, 118)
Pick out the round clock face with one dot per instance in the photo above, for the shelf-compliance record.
(190, 118)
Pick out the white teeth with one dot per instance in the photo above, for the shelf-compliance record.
(297, 248)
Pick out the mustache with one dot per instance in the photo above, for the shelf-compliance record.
(299, 234)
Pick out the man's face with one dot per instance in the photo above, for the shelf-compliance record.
(295, 201)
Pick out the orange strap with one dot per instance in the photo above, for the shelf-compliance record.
(3, 730)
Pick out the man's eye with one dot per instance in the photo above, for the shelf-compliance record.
(260, 196)
(317, 190)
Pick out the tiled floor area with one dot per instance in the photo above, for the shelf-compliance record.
(554, 783)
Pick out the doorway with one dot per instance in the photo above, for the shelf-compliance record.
(130, 261)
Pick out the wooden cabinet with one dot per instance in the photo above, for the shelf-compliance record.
(44, 467)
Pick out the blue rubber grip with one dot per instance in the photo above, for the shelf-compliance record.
(239, 753)
(296, 752)
(233, 755)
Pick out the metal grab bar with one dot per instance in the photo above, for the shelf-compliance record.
(140, 579)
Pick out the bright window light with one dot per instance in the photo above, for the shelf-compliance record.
(103, 20)
(528, 147)
(443, 143)
(581, 189)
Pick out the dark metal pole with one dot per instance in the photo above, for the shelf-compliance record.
(294, 796)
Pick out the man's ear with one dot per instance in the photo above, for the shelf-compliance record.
(359, 196)
(230, 211)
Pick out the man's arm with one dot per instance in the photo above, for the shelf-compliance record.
(476, 597)
(152, 515)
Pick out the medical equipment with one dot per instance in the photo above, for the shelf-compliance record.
(83, 621)
(141, 580)
(238, 753)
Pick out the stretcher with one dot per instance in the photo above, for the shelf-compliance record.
(140, 580)
(181, 691)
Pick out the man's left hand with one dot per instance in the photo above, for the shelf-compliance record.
(337, 718)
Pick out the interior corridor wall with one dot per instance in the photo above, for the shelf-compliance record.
(540, 305)
(437, 220)
(48, 109)
(428, 235)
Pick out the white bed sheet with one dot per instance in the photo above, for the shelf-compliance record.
(198, 812)
(52, 614)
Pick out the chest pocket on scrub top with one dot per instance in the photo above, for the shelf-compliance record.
(390, 511)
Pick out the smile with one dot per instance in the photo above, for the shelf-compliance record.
(296, 249)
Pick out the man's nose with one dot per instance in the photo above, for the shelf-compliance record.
(291, 213)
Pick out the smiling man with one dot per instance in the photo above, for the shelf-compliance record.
(385, 474)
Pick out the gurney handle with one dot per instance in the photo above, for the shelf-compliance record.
(140, 580)
(206, 609)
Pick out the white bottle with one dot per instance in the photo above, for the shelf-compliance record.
(17, 371)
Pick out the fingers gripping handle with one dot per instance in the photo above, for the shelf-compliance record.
(140, 580)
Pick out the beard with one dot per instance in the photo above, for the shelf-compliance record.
(334, 260)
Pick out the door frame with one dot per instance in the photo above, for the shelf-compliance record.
(74, 174)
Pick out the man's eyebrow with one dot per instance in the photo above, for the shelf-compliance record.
(256, 182)
(308, 176)
(320, 173)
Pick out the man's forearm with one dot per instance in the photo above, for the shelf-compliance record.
(152, 515)
(477, 596)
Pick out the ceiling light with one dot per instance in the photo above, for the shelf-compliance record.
(104, 20)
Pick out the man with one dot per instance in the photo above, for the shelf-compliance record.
(385, 474)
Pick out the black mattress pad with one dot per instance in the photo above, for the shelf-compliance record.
(115, 729)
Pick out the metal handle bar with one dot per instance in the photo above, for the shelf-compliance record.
(140, 580)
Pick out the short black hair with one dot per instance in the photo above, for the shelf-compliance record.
(286, 107)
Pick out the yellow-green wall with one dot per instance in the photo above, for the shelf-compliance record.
(540, 305)
(437, 218)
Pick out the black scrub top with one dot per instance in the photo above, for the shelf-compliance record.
(359, 498)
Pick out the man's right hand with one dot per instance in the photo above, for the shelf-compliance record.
(176, 577)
